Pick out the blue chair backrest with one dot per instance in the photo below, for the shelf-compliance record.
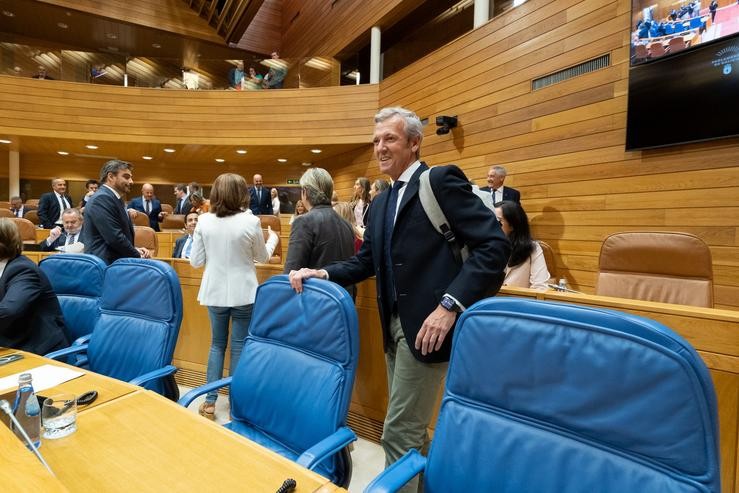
(552, 397)
(77, 279)
(141, 313)
(296, 372)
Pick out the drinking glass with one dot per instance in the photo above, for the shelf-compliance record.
(59, 416)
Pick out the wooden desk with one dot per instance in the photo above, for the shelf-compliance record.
(143, 442)
(20, 470)
(108, 388)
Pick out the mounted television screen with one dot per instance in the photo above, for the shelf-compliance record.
(664, 27)
(687, 97)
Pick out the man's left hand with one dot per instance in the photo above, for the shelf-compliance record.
(434, 330)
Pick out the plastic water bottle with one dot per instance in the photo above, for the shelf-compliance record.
(27, 410)
(562, 286)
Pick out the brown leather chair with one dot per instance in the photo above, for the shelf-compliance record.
(167, 208)
(141, 219)
(26, 228)
(145, 237)
(656, 49)
(4, 204)
(32, 216)
(172, 222)
(677, 44)
(6, 213)
(33, 202)
(274, 223)
(656, 266)
(271, 221)
(549, 259)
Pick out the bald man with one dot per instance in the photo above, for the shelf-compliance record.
(260, 200)
(148, 204)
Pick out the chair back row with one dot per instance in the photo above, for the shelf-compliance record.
(132, 308)
(552, 397)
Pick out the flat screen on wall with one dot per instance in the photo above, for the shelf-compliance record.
(665, 27)
(686, 97)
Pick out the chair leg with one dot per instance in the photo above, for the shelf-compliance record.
(343, 467)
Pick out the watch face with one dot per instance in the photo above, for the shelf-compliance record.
(447, 303)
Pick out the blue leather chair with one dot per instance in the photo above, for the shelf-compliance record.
(291, 388)
(550, 397)
(77, 280)
(135, 337)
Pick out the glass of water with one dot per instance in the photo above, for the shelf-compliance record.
(59, 416)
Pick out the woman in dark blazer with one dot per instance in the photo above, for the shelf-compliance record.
(30, 316)
(319, 236)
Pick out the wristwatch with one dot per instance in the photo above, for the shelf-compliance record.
(448, 303)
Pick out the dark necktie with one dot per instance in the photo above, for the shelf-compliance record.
(148, 207)
(392, 205)
(179, 206)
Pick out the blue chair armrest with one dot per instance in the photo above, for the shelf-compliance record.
(326, 447)
(82, 340)
(66, 351)
(186, 399)
(394, 477)
(153, 375)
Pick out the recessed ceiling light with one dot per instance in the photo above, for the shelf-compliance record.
(168, 150)
(315, 151)
(62, 25)
(240, 151)
(8, 13)
(148, 158)
(156, 45)
(62, 153)
(111, 36)
(282, 160)
(4, 141)
(16, 69)
(306, 164)
(91, 146)
(220, 160)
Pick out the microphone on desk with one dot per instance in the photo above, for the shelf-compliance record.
(5, 407)
(288, 486)
(562, 289)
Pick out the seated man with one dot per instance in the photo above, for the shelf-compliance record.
(58, 239)
(183, 244)
(18, 207)
(30, 316)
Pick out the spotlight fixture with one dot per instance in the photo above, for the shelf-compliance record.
(148, 158)
(5, 141)
(445, 124)
(156, 45)
(168, 149)
(91, 146)
(220, 160)
(316, 151)
(62, 153)
(281, 160)
(240, 151)
(307, 164)
(62, 25)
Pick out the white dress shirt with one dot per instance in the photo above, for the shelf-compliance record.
(228, 247)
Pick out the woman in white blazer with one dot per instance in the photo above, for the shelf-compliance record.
(228, 240)
(526, 267)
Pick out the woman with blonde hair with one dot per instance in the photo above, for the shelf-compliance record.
(227, 241)
(299, 211)
(344, 210)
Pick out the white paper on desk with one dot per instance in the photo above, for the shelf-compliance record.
(44, 377)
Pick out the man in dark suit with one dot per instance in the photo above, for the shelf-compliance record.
(149, 205)
(496, 177)
(421, 288)
(30, 316)
(108, 231)
(183, 244)
(72, 231)
(51, 204)
(260, 200)
(18, 208)
(182, 199)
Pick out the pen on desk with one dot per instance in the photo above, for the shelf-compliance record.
(288, 486)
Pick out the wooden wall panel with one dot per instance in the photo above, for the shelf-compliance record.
(264, 34)
(169, 15)
(125, 114)
(563, 145)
